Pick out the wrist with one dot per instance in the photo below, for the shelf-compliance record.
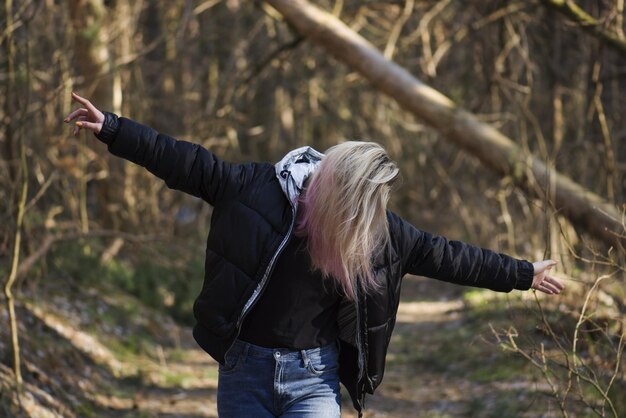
(525, 275)
(109, 129)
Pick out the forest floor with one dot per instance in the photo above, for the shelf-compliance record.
(89, 356)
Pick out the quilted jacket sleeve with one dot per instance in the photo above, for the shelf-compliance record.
(437, 257)
(183, 165)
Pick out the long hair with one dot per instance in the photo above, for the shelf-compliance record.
(342, 212)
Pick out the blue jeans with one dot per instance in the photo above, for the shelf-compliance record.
(264, 382)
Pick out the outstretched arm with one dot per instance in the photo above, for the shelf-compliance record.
(437, 257)
(183, 165)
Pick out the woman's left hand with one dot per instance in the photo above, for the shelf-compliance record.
(542, 281)
(87, 117)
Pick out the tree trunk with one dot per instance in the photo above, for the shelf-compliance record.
(583, 207)
(92, 62)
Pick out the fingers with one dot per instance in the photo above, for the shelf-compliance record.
(85, 103)
(82, 123)
(87, 117)
(78, 112)
(78, 125)
(92, 126)
(545, 290)
(82, 101)
(555, 282)
(548, 288)
(550, 285)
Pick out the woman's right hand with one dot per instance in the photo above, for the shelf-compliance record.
(544, 282)
(87, 117)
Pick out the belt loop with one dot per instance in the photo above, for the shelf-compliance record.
(305, 358)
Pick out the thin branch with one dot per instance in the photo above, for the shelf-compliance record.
(397, 29)
(42, 190)
(593, 382)
(588, 23)
(606, 134)
(511, 334)
(21, 205)
(51, 239)
(561, 399)
(270, 57)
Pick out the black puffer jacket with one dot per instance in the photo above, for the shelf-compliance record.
(253, 216)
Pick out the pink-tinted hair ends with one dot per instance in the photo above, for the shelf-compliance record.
(342, 212)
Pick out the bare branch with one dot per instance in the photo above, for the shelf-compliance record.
(588, 23)
(51, 239)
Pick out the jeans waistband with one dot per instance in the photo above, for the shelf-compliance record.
(284, 353)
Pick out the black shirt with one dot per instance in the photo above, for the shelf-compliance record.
(298, 307)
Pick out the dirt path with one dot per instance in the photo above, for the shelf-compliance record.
(442, 361)
(427, 308)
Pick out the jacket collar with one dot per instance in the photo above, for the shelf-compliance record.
(294, 169)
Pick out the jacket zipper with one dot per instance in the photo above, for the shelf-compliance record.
(362, 359)
(358, 341)
(259, 289)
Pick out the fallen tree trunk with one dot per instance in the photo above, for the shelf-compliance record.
(583, 207)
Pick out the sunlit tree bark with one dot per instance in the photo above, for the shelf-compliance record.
(90, 20)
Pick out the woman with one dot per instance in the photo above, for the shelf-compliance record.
(303, 266)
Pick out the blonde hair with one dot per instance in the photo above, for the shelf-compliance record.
(343, 213)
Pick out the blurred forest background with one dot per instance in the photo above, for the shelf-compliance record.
(100, 262)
